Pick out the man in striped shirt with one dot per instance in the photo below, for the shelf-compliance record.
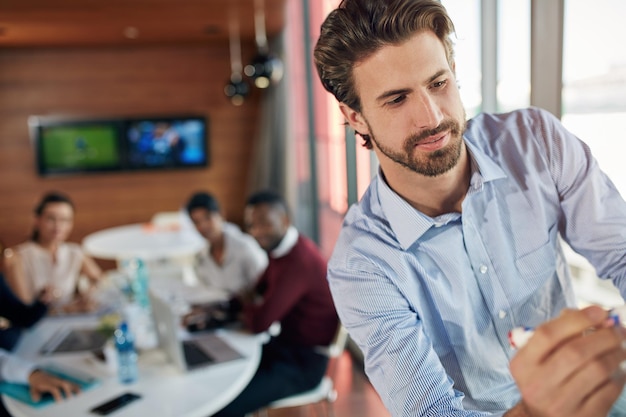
(456, 241)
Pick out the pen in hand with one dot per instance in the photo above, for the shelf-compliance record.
(519, 336)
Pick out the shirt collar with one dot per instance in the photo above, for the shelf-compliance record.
(484, 169)
(408, 223)
(286, 244)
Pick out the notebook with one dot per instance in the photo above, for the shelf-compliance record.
(71, 339)
(195, 352)
(21, 392)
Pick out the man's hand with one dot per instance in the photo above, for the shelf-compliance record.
(574, 365)
(41, 382)
(197, 317)
(210, 315)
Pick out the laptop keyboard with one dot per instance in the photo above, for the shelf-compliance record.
(194, 355)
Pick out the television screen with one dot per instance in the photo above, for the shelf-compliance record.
(66, 148)
(166, 143)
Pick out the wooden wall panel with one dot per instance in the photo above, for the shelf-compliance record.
(167, 80)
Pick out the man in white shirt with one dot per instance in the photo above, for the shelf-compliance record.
(233, 260)
(14, 369)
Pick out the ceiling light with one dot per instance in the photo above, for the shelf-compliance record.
(264, 70)
(236, 90)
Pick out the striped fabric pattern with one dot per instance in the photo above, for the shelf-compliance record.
(430, 301)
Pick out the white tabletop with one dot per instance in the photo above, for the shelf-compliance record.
(144, 241)
(165, 391)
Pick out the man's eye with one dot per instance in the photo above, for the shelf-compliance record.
(397, 100)
(439, 84)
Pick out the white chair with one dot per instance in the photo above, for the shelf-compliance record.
(181, 265)
(167, 220)
(324, 393)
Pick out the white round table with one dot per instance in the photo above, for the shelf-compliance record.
(165, 391)
(148, 242)
(143, 241)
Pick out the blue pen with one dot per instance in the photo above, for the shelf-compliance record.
(519, 336)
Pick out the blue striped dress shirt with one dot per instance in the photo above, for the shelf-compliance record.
(430, 301)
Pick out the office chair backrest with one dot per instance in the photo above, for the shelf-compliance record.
(338, 344)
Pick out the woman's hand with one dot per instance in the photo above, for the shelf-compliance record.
(49, 295)
(81, 303)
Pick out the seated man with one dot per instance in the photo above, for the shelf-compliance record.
(233, 261)
(14, 369)
(292, 291)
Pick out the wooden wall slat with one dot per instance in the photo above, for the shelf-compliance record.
(114, 82)
(29, 23)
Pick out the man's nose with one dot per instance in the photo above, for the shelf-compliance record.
(428, 113)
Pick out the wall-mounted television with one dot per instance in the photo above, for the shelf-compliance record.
(69, 146)
(165, 142)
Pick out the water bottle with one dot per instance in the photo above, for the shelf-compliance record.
(139, 283)
(140, 314)
(126, 355)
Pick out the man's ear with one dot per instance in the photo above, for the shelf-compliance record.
(286, 221)
(355, 119)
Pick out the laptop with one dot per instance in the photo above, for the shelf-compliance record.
(191, 353)
(72, 339)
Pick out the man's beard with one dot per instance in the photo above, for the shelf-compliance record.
(434, 163)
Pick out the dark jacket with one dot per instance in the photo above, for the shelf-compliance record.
(16, 315)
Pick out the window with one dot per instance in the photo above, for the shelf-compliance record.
(594, 80)
(466, 17)
(594, 108)
(510, 59)
(513, 54)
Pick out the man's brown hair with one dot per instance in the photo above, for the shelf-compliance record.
(358, 28)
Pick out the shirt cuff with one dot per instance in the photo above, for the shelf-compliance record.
(17, 370)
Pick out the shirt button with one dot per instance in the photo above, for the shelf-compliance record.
(502, 314)
(483, 269)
